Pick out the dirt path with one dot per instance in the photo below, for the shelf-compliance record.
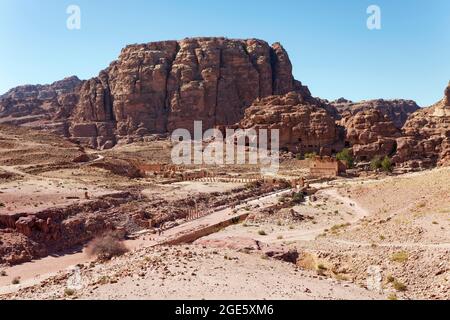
(311, 234)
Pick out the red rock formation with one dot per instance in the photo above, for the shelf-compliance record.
(397, 111)
(304, 126)
(447, 95)
(370, 133)
(41, 106)
(426, 137)
(161, 86)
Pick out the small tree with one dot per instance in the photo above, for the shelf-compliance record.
(386, 164)
(345, 155)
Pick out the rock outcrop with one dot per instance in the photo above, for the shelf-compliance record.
(41, 106)
(157, 87)
(370, 133)
(305, 125)
(397, 111)
(447, 95)
(426, 137)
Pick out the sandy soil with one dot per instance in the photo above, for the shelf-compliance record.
(192, 272)
(362, 238)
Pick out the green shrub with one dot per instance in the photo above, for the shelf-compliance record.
(386, 164)
(310, 155)
(346, 156)
(298, 198)
(375, 164)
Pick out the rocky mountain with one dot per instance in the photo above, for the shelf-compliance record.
(157, 87)
(397, 110)
(426, 136)
(370, 133)
(41, 106)
(161, 86)
(305, 124)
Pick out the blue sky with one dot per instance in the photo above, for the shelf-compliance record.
(331, 49)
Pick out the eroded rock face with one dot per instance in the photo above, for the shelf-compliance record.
(155, 88)
(41, 106)
(426, 138)
(397, 111)
(305, 125)
(370, 133)
(162, 86)
(447, 95)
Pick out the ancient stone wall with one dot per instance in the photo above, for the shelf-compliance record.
(326, 167)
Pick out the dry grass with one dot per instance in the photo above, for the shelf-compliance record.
(400, 256)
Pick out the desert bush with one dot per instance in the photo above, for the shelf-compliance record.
(375, 164)
(400, 256)
(345, 155)
(3, 273)
(262, 233)
(298, 198)
(320, 266)
(399, 286)
(386, 164)
(107, 246)
(310, 155)
(390, 278)
(69, 292)
(392, 296)
(16, 280)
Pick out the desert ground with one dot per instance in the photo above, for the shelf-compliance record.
(378, 236)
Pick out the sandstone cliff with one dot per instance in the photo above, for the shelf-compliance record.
(161, 86)
(41, 106)
(370, 133)
(157, 87)
(305, 124)
(426, 136)
(397, 110)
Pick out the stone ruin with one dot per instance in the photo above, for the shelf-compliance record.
(322, 167)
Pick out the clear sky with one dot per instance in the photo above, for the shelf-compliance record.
(331, 48)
